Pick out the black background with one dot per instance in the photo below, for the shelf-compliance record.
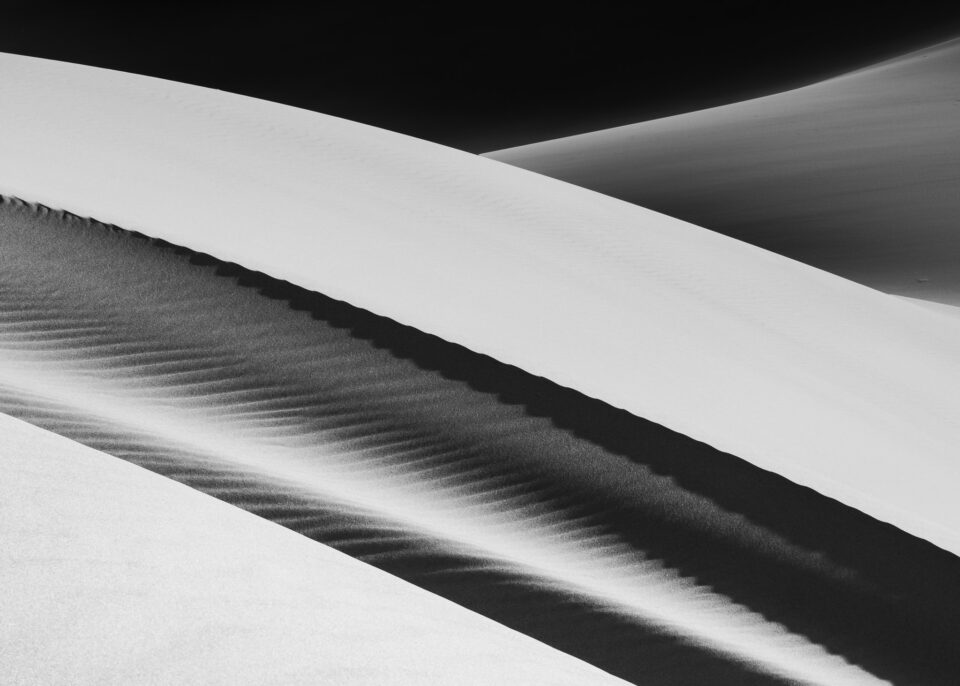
(482, 76)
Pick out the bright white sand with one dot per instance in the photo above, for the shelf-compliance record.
(114, 575)
(826, 382)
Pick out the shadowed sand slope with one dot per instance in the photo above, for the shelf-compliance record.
(828, 383)
(646, 553)
(858, 175)
(113, 575)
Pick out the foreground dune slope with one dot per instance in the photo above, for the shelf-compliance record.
(857, 175)
(646, 553)
(828, 383)
(113, 575)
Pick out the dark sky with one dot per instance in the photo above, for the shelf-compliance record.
(482, 76)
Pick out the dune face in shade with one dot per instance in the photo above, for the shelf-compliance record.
(650, 555)
(113, 575)
(858, 175)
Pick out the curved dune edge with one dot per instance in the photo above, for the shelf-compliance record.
(641, 551)
(122, 576)
(828, 383)
(857, 175)
(939, 308)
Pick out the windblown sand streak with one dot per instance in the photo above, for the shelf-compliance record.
(648, 554)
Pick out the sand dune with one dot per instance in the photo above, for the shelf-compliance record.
(113, 575)
(857, 175)
(828, 383)
(521, 492)
(648, 554)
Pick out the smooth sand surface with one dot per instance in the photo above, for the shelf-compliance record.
(858, 175)
(826, 382)
(646, 553)
(114, 575)
(940, 308)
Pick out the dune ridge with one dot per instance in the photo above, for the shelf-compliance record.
(857, 175)
(113, 575)
(646, 553)
(802, 373)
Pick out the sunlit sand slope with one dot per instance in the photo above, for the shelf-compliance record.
(858, 175)
(828, 383)
(113, 575)
(646, 553)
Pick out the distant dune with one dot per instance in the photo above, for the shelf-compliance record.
(113, 575)
(858, 175)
